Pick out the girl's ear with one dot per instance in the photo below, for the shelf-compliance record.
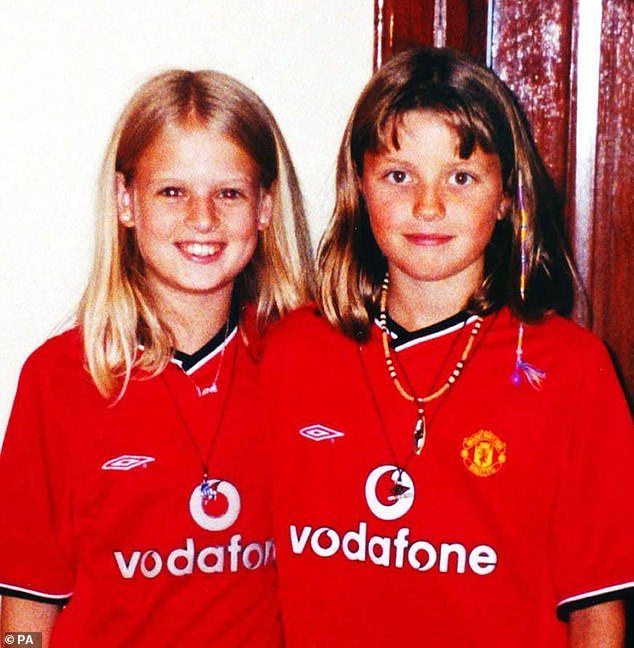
(124, 202)
(504, 207)
(265, 210)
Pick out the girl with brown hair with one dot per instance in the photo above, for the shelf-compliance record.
(452, 457)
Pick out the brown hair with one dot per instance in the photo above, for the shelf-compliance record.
(484, 113)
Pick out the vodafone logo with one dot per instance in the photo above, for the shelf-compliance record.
(220, 509)
(215, 506)
(389, 492)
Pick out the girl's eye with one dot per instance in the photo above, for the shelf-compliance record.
(171, 192)
(230, 194)
(461, 178)
(397, 177)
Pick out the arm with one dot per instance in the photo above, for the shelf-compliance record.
(22, 615)
(593, 539)
(35, 555)
(598, 625)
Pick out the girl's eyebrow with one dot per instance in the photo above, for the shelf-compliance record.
(160, 178)
(389, 158)
(486, 162)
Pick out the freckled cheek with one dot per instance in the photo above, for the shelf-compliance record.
(383, 229)
(243, 231)
(158, 220)
(376, 198)
(485, 202)
(480, 233)
(488, 216)
(387, 215)
(388, 207)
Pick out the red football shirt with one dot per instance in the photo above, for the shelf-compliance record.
(517, 509)
(102, 507)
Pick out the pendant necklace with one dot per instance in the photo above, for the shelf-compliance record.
(400, 477)
(402, 481)
(208, 487)
(420, 429)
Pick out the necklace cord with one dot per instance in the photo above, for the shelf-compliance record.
(442, 368)
(377, 409)
(204, 458)
(389, 361)
(420, 429)
(214, 384)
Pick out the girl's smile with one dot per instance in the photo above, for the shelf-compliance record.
(199, 252)
(428, 240)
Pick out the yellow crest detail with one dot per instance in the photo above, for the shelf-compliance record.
(483, 453)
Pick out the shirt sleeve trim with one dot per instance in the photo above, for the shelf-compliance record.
(34, 595)
(580, 601)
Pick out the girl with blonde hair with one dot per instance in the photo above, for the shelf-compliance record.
(133, 476)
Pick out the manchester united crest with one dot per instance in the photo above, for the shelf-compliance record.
(483, 453)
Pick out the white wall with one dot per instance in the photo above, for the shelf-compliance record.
(68, 67)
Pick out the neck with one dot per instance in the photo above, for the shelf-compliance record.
(417, 304)
(194, 319)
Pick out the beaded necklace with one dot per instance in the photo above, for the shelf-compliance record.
(420, 429)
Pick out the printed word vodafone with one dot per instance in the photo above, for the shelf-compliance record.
(398, 551)
(215, 512)
(183, 560)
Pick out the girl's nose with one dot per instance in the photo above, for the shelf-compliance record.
(202, 214)
(429, 203)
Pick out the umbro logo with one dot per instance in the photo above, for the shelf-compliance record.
(320, 433)
(127, 462)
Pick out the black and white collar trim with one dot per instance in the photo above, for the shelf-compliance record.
(191, 363)
(403, 339)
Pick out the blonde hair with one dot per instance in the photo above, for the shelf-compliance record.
(117, 313)
(484, 113)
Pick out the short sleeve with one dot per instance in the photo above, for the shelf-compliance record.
(35, 551)
(594, 525)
